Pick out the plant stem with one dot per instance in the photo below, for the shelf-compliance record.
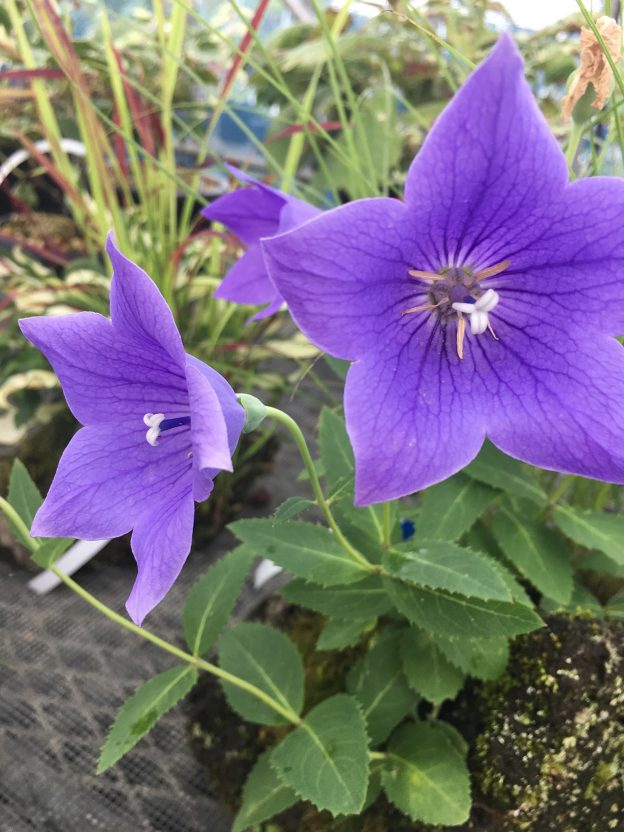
(295, 430)
(387, 526)
(9, 512)
(576, 131)
(196, 661)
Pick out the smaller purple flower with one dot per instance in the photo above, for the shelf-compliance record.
(158, 426)
(253, 213)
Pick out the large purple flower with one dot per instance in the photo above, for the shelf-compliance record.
(253, 213)
(158, 427)
(482, 305)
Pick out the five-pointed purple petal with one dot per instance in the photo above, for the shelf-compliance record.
(120, 376)
(394, 286)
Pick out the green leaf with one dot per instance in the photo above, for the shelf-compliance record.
(483, 658)
(23, 494)
(338, 634)
(50, 550)
(593, 529)
(142, 710)
(305, 550)
(450, 508)
(426, 777)
(582, 601)
(292, 507)
(366, 599)
(211, 600)
(380, 686)
(24, 497)
(447, 566)
(441, 612)
(325, 760)
(599, 562)
(615, 608)
(335, 448)
(427, 669)
(501, 471)
(266, 658)
(264, 795)
(538, 553)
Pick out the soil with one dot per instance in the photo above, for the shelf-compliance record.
(546, 739)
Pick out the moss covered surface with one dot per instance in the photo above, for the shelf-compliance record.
(546, 739)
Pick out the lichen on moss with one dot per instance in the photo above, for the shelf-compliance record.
(548, 737)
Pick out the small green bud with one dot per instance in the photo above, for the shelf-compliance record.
(255, 411)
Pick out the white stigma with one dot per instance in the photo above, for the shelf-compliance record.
(153, 420)
(478, 311)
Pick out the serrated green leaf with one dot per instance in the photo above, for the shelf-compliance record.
(264, 795)
(338, 634)
(268, 659)
(50, 550)
(447, 566)
(442, 612)
(593, 529)
(211, 600)
(325, 760)
(292, 507)
(142, 710)
(501, 471)
(450, 508)
(305, 550)
(426, 778)
(483, 658)
(380, 686)
(427, 669)
(366, 599)
(537, 552)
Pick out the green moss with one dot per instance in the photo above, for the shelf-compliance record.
(548, 737)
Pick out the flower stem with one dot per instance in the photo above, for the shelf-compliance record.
(295, 431)
(9, 512)
(196, 661)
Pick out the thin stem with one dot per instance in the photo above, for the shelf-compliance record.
(10, 513)
(196, 661)
(295, 430)
(576, 133)
(387, 526)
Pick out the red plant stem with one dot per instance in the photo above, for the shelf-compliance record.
(245, 43)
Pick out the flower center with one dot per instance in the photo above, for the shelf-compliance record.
(456, 294)
(157, 424)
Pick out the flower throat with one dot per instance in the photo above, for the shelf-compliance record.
(457, 293)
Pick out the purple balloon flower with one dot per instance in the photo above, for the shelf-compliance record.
(158, 427)
(482, 305)
(253, 213)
